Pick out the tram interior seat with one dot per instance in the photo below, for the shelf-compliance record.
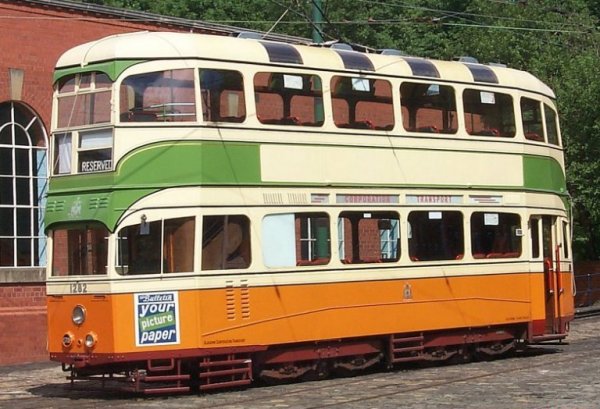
(487, 132)
(136, 115)
(510, 254)
(314, 262)
(428, 128)
(534, 136)
(237, 119)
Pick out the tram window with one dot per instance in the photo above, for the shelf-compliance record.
(488, 113)
(95, 151)
(551, 125)
(435, 235)
(288, 99)
(369, 237)
(222, 96)
(62, 153)
(79, 250)
(495, 235)
(165, 96)
(531, 115)
(565, 239)
(362, 103)
(301, 239)
(225, 242)
(84, 99)
(429, 108)
(161, 246)
(534, 227)
(312, 239)
(67, 84)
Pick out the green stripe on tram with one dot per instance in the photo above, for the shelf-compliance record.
(543, 174)
(187, 163)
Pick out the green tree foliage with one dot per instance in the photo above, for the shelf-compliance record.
(556, 41)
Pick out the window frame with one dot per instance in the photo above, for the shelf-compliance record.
(352, 91)
(409, 118)
(487, 98)
(505, 240)
(353, 233)
(276, 84)
(415, 250)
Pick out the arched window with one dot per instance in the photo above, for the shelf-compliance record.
(23, 184)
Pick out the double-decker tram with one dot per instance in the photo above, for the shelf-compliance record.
(223, 210)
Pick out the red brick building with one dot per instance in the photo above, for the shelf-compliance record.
(34, 33)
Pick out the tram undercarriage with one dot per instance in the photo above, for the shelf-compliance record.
(236, 367)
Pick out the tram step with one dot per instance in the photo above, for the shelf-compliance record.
(227, 371)
(228, 384)
(405, 348)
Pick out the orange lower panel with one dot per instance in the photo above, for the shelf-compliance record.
(240, 316)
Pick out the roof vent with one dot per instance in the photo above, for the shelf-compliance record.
(497, 64)
(467, 59)
(391, 51)
(250, 34)
(342, 46)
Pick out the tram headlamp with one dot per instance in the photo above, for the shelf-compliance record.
(67, 339)
(78, 315)
(90, 339)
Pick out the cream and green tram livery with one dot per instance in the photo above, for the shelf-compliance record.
(222, 210)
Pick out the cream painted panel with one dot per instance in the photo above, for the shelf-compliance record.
(311, 164)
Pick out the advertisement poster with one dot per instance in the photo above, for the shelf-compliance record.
(156, 319)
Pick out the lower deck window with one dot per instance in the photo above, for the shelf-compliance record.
(225, 242)
(495, 235)
(162, 246)
(79, 251)
(435, 235)
(368, 237)
(299, 239)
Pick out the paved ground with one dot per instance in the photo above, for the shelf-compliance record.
(555, 376)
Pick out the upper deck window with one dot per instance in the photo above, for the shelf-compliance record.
(531, 116)
(83, 99)
(489, 113)
(222, 96)
(551, 125)
(362, 103)
(288, 99)
(162, 96)
(428, 107)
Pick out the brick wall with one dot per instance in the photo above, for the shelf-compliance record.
(22, 323)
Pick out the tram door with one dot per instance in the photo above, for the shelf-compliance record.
(544, 233)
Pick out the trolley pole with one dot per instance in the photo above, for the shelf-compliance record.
(317, 17)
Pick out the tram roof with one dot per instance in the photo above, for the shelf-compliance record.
(169, 45)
